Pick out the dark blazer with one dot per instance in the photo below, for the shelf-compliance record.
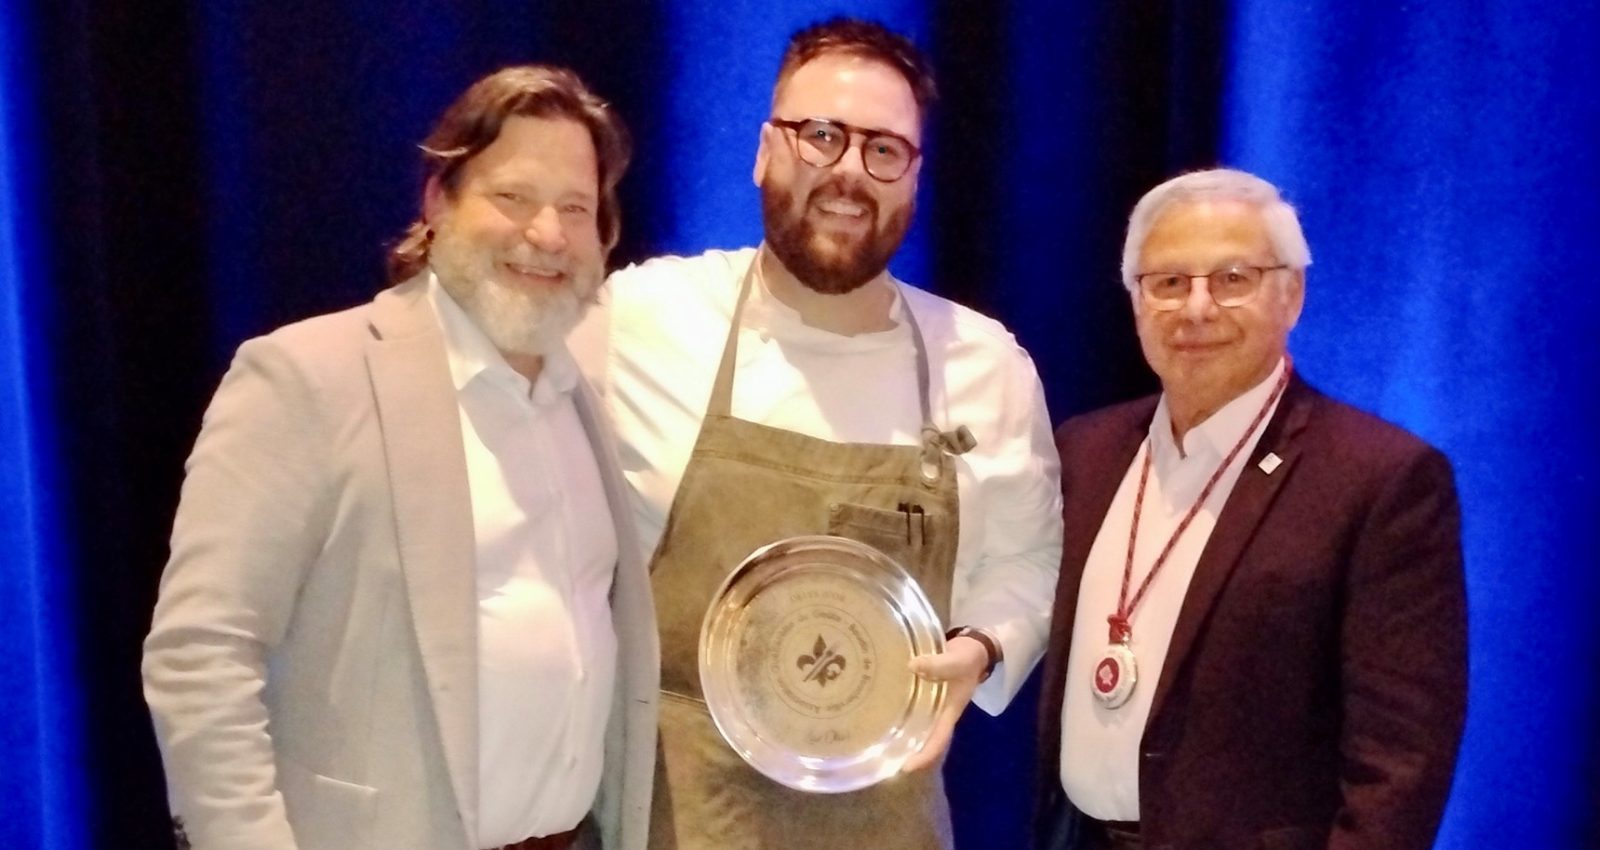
(1315, 688)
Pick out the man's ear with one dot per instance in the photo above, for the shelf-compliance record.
(1296, 296)
(433, 200)
(763, 156)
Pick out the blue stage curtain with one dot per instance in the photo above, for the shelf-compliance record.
(40, 781)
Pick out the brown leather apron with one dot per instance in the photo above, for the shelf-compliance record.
(747, 485)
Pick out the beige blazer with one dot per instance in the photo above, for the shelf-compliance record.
(312, 663)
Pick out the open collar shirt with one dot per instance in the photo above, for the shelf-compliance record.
(1100, 746)
(546, 552)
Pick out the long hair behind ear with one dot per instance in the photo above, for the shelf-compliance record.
(409, 256)
(473, 122)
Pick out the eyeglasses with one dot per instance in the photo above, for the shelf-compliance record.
(821, 142)
(1234, 286)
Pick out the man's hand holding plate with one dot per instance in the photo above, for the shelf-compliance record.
(961, 667)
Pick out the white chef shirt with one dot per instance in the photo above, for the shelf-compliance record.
(1099, 745)
(546, 552)
(668, 320)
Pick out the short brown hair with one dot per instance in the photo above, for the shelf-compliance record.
(869, 40)
(473, 123)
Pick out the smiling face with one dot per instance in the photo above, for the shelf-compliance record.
(836, 227)
(1207, 355)
(517, 243)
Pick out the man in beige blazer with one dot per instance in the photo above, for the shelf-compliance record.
(405, 609)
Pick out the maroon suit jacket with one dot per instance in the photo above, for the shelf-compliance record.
(1315, 688)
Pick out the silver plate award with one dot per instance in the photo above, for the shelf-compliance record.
(804, 658)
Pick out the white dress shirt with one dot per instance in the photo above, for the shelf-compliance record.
(668, 321)
(546, 553)
(1099, 745)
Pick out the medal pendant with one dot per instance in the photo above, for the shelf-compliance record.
(1114, 676)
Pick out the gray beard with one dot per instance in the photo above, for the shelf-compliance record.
(516, 321)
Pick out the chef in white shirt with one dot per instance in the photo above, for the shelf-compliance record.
(833, 390)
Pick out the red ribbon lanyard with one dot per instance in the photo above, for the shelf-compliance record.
(1121, 630)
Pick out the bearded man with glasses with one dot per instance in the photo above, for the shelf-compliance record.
(1259, 637)
(842, 402)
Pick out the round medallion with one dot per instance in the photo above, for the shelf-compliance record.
(1114, 676)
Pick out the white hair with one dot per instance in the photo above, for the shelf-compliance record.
(1217, 184)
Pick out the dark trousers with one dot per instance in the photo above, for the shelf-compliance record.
(1069, 829)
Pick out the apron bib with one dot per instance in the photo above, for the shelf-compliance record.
(747, 485)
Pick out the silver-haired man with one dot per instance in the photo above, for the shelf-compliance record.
(1259, 634)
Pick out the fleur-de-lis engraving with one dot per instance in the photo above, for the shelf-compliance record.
(823, 665)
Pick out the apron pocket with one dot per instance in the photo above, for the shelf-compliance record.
(899, 534)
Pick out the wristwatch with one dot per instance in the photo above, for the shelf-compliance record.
(990, 646)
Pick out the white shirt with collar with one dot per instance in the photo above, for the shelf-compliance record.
(1099, 745)
(667, 321)
(546, 553)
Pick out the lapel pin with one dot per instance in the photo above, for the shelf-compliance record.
(1270, 463)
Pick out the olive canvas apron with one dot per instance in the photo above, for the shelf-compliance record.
(747, 485)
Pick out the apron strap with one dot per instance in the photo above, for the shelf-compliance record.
(722, 388)
(935, 443)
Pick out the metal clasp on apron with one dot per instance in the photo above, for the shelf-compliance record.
(936, 444)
